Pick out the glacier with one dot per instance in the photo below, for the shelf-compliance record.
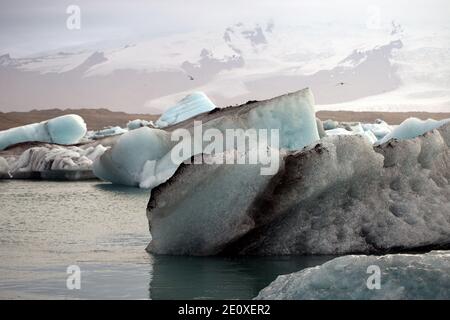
(402, 276)
(65, 130)
(338, 195)
(188, 107)
(142, 157)
(411, 128)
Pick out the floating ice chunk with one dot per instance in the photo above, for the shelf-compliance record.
(67, 129)
(107, 132)
(355, 130)
(401, 276)
(379, 129)
(411, 128)
(190, 106)
(52, 157)
(330, 124)
(125, 162)
(138, 123)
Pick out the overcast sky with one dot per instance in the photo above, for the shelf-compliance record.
(32, 26)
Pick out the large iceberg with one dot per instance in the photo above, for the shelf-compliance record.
(339, 195)
(399, 276)
(411, 128)
(190, 106)
(142, 157)
(66, 130)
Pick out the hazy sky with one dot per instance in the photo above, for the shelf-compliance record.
(136, 39)
(31, 26)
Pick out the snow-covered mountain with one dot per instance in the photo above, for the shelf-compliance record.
(389, 70)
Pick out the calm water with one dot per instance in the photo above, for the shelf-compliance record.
(47, 226)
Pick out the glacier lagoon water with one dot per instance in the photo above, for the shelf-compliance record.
(47, 226)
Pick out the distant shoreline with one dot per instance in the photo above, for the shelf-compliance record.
(99, 118)
(371, 116)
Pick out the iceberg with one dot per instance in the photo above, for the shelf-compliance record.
(380, 128)
(338, 195)
(138, 123)
(353, 130)
(142, 157)
(55, 158)
(106, 132)
(330, 124)
(65, 130)
(190, 106)
(411, 128)
(402, 276)
(132, 155)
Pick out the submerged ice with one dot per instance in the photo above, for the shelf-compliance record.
(402, 276)
(66, 130)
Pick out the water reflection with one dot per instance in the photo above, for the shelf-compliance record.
(115, 188)
(46, 226)
(221, 277)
